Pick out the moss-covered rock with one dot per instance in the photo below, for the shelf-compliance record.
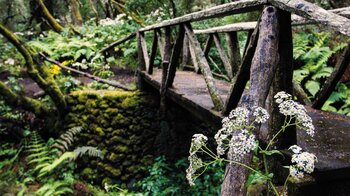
(113, 121)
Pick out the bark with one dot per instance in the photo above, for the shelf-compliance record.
(263, 68)
(75, 12)
(221, 10)
(48, 16)
(233, 51)
(39, 73)
(223, 55)
(205, 69)
(315, 13)
(16, 100)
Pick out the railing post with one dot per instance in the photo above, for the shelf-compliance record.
(234, 52)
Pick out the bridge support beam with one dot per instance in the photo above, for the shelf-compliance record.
(263, 68)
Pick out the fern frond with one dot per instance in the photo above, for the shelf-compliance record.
(50, 167)
(55, 188)
(66, 139)
(89, 150)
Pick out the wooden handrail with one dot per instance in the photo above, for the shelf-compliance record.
(217, 11)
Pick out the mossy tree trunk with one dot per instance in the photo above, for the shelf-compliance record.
(38, 72)
(75, 12)
(48, 16)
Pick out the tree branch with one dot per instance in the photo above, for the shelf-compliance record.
(98, 79)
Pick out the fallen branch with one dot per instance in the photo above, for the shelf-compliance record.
(96, 78)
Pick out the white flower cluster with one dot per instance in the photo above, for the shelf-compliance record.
(238, 120)
(10, 61)
(241, 144)
(198, 141)
(288, 107)
(303, 162)
(116, 21)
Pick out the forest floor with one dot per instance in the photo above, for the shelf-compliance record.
(124, 76)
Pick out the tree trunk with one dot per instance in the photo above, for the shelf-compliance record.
(37, 71)
(50, 19)
(75, 12)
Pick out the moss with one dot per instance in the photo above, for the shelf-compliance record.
(121, 149)
(112, 111)
(91, 103)
(120, 120)
(115, 157)
(130, 102)
(100, 131)
(117, 140)
(109, 170)
(88, 173)
(118, 132)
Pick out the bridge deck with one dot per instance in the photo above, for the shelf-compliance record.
(190, 92)
(190, 89)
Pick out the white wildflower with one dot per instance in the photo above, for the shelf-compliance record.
(282, 96)
(291, 108)
(295, 149)
(221, 139)
(195, 164)
(303, 162)
(239, 117)
(241, 144)
(198, 140)
(261, 115)
(10, 61)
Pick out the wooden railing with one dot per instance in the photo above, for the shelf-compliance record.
(267, 58)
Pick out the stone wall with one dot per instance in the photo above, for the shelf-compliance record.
(126, 126)
(123, 125)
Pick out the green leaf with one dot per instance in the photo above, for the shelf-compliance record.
(271, 152)
(312, 86)
(256, 178)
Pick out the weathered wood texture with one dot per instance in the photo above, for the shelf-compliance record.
(333, 79)
(263, 68)
(301, 94)
(141, 59)
(144, 49)
(217, 11)
(194, 58)
(185, 53)
(233, 50)
(241, 78)
(153, 53)
(205, 69)
(223, 55)
(331, 141)
(315, 13)
(160, 43)
(243, 26)
(175, 57)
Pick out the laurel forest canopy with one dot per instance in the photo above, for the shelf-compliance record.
(72, 119)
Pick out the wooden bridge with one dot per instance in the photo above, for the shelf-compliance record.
(266, 62)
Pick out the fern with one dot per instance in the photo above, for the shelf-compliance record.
(88, 150)
(66, 139)
(55, 188)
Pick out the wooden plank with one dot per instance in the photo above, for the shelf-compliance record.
(194, 58)
(185, 53)
(249, 35)
(263, 69)
(153, 53)
(333, 79)
(205, 69)
(175, 56)
(207, 45)
(160, 43)
(144, 50)
(242, 26)
(233, 51)
(315, 13)
(141, 59)
(240, 80)
(165, 66)
(331, 141)
(217, 11)
(223, 55)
